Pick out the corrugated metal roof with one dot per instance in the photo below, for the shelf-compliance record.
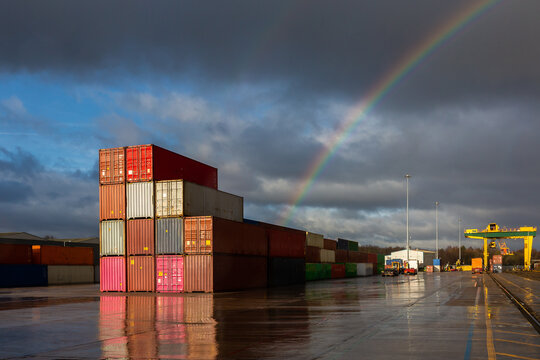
(19, 236)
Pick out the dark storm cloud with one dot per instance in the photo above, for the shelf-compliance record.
(312, 46)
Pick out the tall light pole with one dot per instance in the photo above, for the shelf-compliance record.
(436, 229)
(459, 234)
(407, 176)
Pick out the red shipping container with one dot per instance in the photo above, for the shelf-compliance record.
(151, 162)
(342, 256)
(140, 273)
(112, 202)
(338, 271)
(207, 235)
(313, 254)
(288, 243)
(357, 257)
(330, 245)
(429, 268)
(140, 237)
(170, 273)
(62, 255)
(112, 166)
(15, 254)
(223, 272)
(112, 273)
(497, 259)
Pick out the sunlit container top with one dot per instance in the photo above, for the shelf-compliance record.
(112, 164)
(313, 239)
(151, 162)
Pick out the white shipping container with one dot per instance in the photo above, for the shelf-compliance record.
(70, 274)
(111, 238)
(328, 256)
(313, 239)
(436, 268)
(175, 198)
(140, 200)
(364, 269)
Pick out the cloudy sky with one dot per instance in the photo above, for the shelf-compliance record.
(259, 89)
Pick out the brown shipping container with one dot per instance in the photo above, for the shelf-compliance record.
(288, 243)
(140, 237)
(112, 164)
(497, 259)
(223, 272)
(15, 254)
(330, 245)
(112, 202)
(62, 255)
(207, 235)
(357, 257)
(140, 273)
(342, 256)
(313, 254)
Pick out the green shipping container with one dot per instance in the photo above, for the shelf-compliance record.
(380, 263)
(350, 270)
(326, 271)
(313, 271)
(353, 245)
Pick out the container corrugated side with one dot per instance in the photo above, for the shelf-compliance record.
(140, 237)
(497, 259)
(170, 236)
(70, 274)
(313, 254)
(111, 238)
(330, 244)
(328, 256)
(141, 273)
(286, 271)
(198, 273)
(342, 244)
(237, 272)
(350, 270)
(286, 243)
(342, 256)
(15, 254)
(326, 271)
(140, 200)
(112, 202)
(112, 273)
(62, 255)
(140, 327)
(364, 269)
(353, 245)
(112, 166)
(19, 275)
(313, 271)
(313, 239)
(170, 273)
(338, 271)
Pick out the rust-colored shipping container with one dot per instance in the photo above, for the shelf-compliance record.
(62, 255)
(313, 254)
(140, 237)
(338, 271)
(212, 235)
(140, 273)
(112, 202)
(151, 162)
(112, 166)
(497, 259)
(224, 272)
(330, 244)
(357, 257)
(288, 243)
(15, 254)
(342, 256)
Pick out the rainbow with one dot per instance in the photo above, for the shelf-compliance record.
(410, 61)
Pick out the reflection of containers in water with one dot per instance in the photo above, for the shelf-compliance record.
(112, 166)
(140, 200)
(313, 254)
(364, 269)
(338, 271)
(15, 254)
(70, 274)
(170, 236)
(170, 310)
(140, 273)
(342, 256)
(19, 275)
(170, 273)
(201, 329)
(140, 237)
(62, 255)
(328, 256)
(497, 259)
(112, 326)
(286, 271)
(151, 162)
(222, 272)
(140, 327)
(176, 198)
(429, 268)
(112, 272)
(316, 240)
(330, 244)
(111, 239)
(112, 202)
(350, 270)
(207, 235)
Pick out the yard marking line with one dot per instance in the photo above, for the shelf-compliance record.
(518, 333)
(518, 342)
(468, 348)
(517, 356)
(510, 324)
(489, 332)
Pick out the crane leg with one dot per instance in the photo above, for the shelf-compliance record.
(527, 251)
(486, 263)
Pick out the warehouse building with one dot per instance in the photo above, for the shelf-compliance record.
(424, 257)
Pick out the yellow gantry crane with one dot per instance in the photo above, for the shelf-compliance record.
(493, 232)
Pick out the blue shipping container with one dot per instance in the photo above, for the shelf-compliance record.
(342, 244)
(23, 275)
(437, 262)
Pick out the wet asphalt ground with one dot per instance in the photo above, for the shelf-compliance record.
(429, 316)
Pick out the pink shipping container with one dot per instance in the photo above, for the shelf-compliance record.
(151, 162)
(140, 237)
(112, 274)
(112, 164)
(140, 273)
(170, 273)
